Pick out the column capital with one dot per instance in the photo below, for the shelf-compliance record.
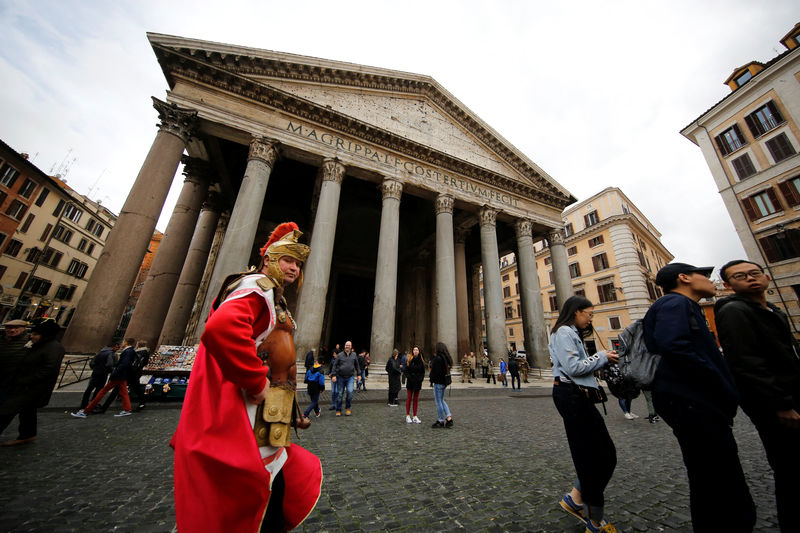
(524, 228)
(488, 216)
(332, 170)
(460, 235)
(176, 120)
(556, 236)
(444, 203)
(196, 170)
(391, 188)
(263, 149)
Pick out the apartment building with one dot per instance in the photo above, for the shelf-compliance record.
(750, 140)
(50, 237)
(613, 251)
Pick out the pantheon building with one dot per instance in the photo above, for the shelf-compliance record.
(406, 197)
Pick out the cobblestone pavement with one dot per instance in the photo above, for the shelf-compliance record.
(503, 467)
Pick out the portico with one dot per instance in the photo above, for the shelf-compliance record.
(405, 196)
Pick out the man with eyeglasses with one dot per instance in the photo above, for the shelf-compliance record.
(762, 354)
(695, 394)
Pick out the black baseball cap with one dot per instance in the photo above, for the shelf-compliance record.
(667, 275)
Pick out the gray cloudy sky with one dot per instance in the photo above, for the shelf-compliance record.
(594, 92)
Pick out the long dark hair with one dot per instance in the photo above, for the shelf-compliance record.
(567, 315)
(441, 350)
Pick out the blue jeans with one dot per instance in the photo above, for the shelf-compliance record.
(442, 410)
(314, 406)
(334, 393)
(345, 384)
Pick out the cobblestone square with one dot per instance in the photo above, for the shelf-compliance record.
(503, 467)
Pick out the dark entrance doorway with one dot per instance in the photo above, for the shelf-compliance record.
(352, 311)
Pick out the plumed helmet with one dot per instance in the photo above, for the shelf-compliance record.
(283, 242)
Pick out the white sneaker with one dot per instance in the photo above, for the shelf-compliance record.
(79, 414)
(629, 416)
(123, 413)
(416, 420)
(634, 415)
(408, 419)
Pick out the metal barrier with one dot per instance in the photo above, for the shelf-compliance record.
(70, 367)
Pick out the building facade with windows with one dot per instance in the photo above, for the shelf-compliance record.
(751, 141)
(613, 254)
(59, 234)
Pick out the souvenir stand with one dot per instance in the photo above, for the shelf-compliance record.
(167, 374)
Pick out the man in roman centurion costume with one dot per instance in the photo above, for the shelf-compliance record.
(235, 467)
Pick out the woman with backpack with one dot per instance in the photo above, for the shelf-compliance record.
(575, 391)
(440, 370)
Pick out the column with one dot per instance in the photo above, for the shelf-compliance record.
(159, 287)
(420, 300)
(195, 326)
(477, 313)
(558, 257)
(234, 254)
(103, 303)
(446, 321)
(384, 303)
(317, 270)
(492, 288)
(180, 308)
(533, 325)
(462, 307)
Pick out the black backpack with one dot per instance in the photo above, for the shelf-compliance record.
(637, 365)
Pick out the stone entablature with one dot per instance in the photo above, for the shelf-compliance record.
(229, 70)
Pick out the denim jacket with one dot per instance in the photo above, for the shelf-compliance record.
(570, 360)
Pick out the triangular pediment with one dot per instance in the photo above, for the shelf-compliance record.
(412, 109)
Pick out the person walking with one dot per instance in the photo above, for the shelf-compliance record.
(393, 372)
(575, 391)
(344, 371)
(489, 371)
(440, 368)
(33, 381)
(315, 378)
(513, 369)
(101, 364)
(334, 385)
(484, 365)
(502, 374)
(12, 354)
(140, 360)
(118, 381)
(415, 375)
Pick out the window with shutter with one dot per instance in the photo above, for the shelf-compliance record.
(765, 203)
(743, 166)
(730, 140)
(791, 191)
(780, 147)
(765, 118)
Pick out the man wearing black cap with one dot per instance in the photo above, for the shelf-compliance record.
(758, 345)
(694, 392)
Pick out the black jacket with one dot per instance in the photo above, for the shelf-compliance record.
(415, 373)
(439, 369)
(124, 364)
(691, 364)
(101, 365)
(761, 353)
(36, 377)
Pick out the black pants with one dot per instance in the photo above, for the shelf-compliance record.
(27, 422)
(394, 388)
(95, 384)
(274, 521)
(515, 375)
(593, 452)
(712, 465)
(781, 445)
(490, 377)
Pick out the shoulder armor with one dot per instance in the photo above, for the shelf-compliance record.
(265, 283)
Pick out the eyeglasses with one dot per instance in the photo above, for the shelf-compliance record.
(741, 276)
(590, 313)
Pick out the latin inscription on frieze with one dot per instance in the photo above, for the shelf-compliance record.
(432, 176)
